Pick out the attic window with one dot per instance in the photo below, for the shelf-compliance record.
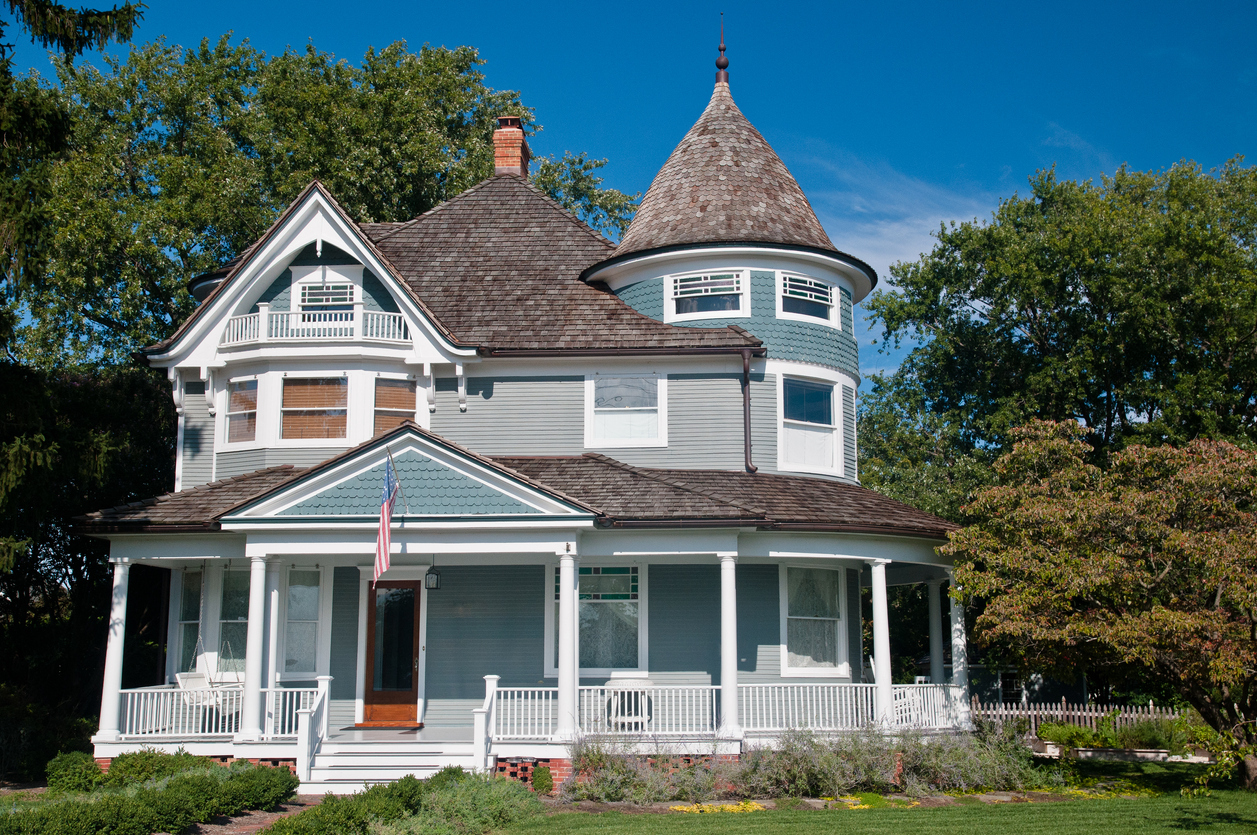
(806, 298)
(706, 296)
(323, 296)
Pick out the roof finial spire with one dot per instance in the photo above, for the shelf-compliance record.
(722, 63)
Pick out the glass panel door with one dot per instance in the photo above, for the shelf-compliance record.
(392, 673)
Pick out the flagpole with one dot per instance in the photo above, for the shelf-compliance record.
(388, 450)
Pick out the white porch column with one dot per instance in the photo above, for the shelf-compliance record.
(959, 646)
(251, 711)
(566, 662)
(111, 693)
(730, 726)
(936, 633)
(273, 662)
(881, 644)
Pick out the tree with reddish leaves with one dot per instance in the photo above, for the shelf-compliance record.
(1150, 562)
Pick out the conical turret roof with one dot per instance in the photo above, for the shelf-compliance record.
(723, 184)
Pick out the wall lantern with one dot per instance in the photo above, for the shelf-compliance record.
(432, 580)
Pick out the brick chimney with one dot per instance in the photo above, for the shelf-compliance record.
(510, 148)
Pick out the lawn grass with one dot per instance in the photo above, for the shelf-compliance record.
(1227, 810)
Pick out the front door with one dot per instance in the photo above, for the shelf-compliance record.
(392, 685)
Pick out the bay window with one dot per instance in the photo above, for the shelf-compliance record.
(242, 410)
(394, 403)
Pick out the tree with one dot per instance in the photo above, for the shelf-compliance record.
(1129, 306)
(181, 158)
(572, 182)
(1151, 562)
(33, 128)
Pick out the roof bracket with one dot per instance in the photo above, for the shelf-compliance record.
(429, 386)
(207, 376)
(462, 387)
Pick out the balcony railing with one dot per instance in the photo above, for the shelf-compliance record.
(316, 325)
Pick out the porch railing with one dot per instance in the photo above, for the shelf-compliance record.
(312, 729)
(357, 323)
(648, 711)
(929, 706)
(173, 713)
(525, 712)
(780, 707)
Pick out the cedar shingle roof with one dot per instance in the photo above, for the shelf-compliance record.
(723, 183)
(195, 508)
(619, 493)
(499, 266)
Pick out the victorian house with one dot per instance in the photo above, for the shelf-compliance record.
(629, 501)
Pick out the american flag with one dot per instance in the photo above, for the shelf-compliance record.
(384, 539)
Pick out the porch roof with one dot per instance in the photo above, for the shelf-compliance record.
(619, 494)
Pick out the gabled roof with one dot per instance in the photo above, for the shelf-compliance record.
(617, 493)
(723, 184)
(500, 266)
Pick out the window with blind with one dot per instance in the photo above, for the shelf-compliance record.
(242, 410)
(394, 403)
(809, 433)
(813, 622)
(315, 407)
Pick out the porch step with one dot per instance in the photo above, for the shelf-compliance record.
(373, 764)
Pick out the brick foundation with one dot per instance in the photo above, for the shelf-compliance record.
(522, 768)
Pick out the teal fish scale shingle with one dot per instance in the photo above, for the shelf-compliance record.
(431, 489)
(785, 339)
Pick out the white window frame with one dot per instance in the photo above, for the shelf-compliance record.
(220, 674)
(843, 670)
(835, 300)
(835, 387)
(643, 626)
(174, 632)
(257, 415)
(282, 651)
(670, 296)
(662, 398)
(350, 410)
(420, 392)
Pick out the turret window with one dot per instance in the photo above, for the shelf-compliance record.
(809, 432)
(806, 299)
(706, 296)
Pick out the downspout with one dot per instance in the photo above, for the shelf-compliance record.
(746, 409)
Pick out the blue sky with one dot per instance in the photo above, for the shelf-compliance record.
(893, 117)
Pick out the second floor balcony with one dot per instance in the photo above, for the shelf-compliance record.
(354, 323)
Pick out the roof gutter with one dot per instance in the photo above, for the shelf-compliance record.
(758, 351)
(607, 522)
(96, 530)
(746, 409)
(886, 530)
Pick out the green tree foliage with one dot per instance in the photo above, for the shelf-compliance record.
(181, 158)
(572, 182)
(1151, 562)
(70, 442)
(34, 128)
(1129, 306)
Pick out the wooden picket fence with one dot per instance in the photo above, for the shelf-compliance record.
(1087, 716)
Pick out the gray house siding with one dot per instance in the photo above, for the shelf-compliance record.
(759, 624)
(197, 450)
(485, 620)
(848, 434)
(764, 422)
(514, 415)
(855, 624)
(704, 426)
(343, 667)
(248, 460)
(684, 624)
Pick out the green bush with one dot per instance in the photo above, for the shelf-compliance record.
(148, 764)
(451, 801)
(1179, 735)
(73, 771)
(542, 780)
(611, 771)
(804, 764)
(168, 805)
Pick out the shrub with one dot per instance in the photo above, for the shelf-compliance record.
(73, 771)
(163, 806)
(807, 765)
(148, 764)
(542, 780)
(450, 802)
(611, 771)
